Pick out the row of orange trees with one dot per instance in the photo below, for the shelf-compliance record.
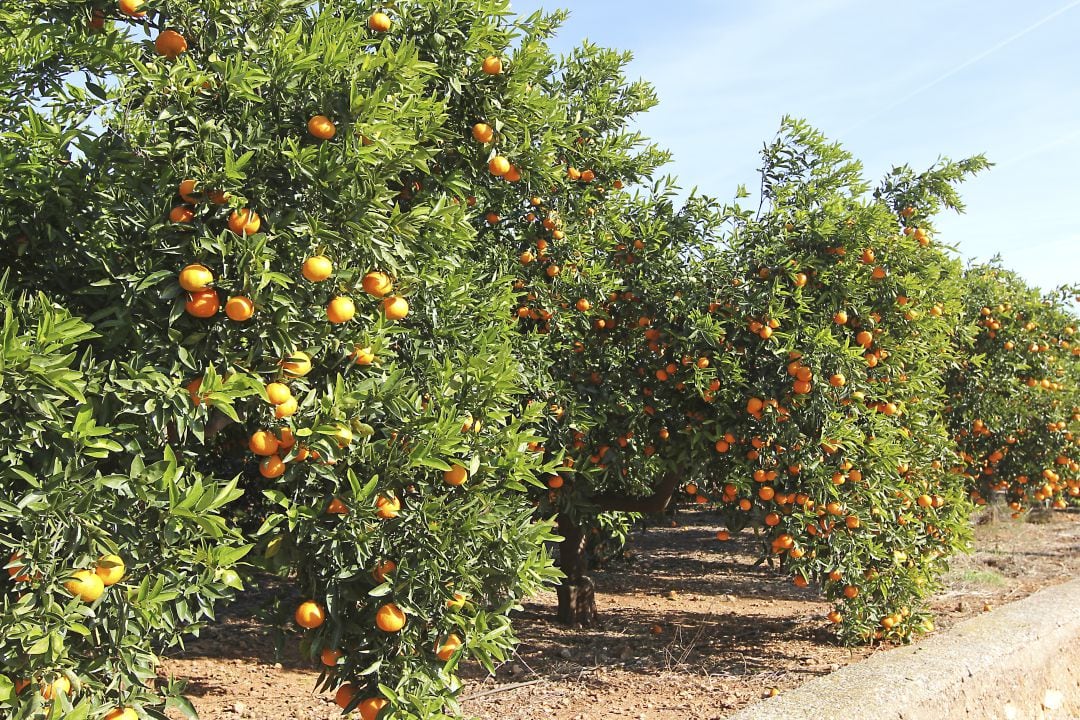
(374, 296)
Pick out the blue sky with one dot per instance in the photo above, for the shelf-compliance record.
(895, 82)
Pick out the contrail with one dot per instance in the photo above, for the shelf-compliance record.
(967, 63)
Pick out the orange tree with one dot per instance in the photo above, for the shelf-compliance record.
(787, 365)
(840, 325)
(268, 226)
(1013, 397)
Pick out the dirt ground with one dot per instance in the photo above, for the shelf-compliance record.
(690, 630)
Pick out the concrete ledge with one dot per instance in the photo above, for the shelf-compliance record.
(1019, 662)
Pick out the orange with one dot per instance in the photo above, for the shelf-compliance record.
(383, 569)
(498, 166)
(445, 651)
(363, 355)
(170, 44)
(340, 310)
(86, 586)
(263, 442)
(390, 618)
(864, 338)
(287, 439)
(492, 65)
(132, 8)
(379, 22)
(60, 685)
(278, 393)
(97, 20)
(457, 602)
(181, 214)
(851, 592)
(555, 482)
(194, 278)
(286, 409)
(122, 714)
(377, 284)
(15, 570)
(203, 304)
(723, 535)
(244, 221)
(840, 318)
(297, 365)
(387, 507)
(271, 467)
(369, 707)
(395, 307)
(110, 568)
(330, 656)
(187, 192)
(321, 127)
(317, 268)
(583, 305)
(337, 507)
(345, 695)
(837, 380)
(513, 174)
(310, 615)
(456, 475)
(482, 132)
(239, 308)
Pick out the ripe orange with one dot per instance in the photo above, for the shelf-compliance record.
(122, 714)
(457, 602)
(170, 44)
(85, 585)
(383, 569)
(498, 166)
(194, 278)
(456, 475)
(239, 308)
(271, 467)
(377, 284)
(321, 127)
(340, 310)
(840, 318)
(263, 442)
(513, 174)
(838, 380)
(330, 656)
(363, 355)
(317, 268)
(369, 707)
(387, 507)
(297, 365)
(310, 615)
(446, 650)
(337, 507)
(111, 569)
(186, 191)
(555, 482)
(287, 439)
(15, 570)
(60, 685)
(286, 409)
(181, 214)
(345, 695)
(203, 304)
(583, 305)
(482, 132)
(379, 22)
(723, 535)
(244, 221)
(390, 618)
(395, 308)
(864, 338)
(492, 65)
(132, 8)
(278, 393)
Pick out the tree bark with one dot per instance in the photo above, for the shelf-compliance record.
(577, 597)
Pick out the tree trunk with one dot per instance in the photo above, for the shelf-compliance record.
(577, 597)
(577, 600)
